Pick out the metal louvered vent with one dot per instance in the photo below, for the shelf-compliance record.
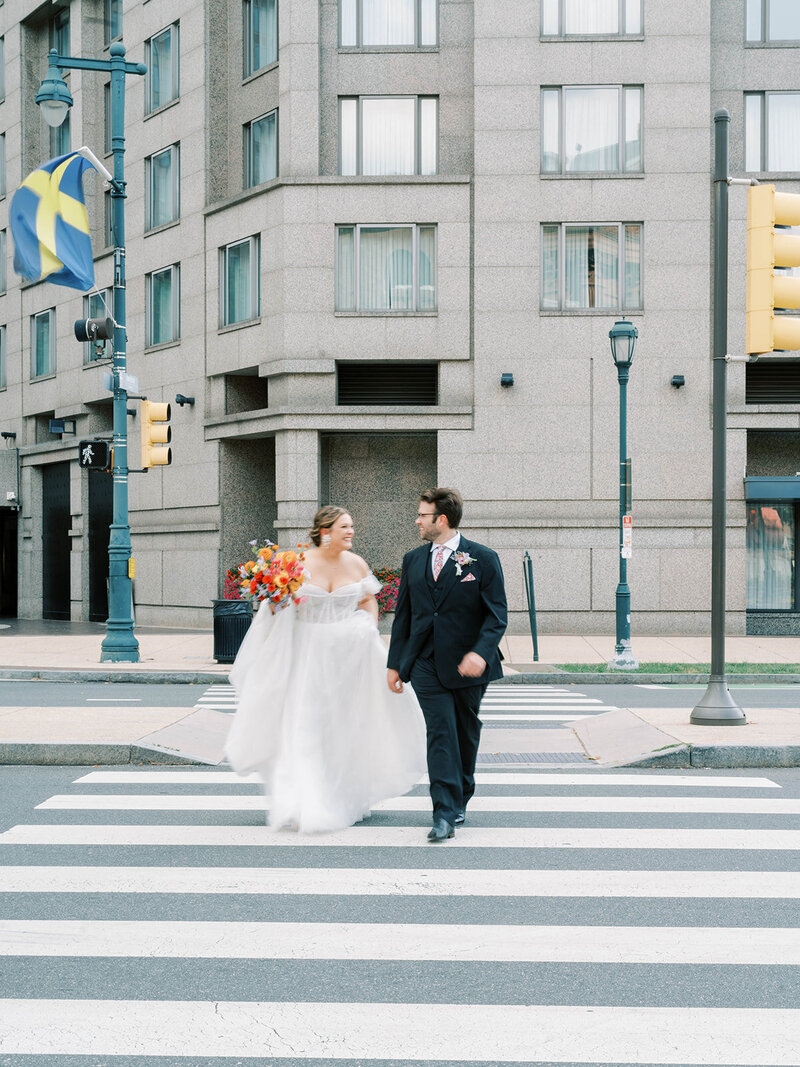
(772, 382)
(413, 384)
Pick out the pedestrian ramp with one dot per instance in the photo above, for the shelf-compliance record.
(579, 917)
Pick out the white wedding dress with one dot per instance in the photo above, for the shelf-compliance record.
(315, 717)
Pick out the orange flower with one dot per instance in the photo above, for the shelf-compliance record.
(282, 580)
(289, 557)
(265, 554)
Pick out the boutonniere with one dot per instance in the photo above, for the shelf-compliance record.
(463, 559)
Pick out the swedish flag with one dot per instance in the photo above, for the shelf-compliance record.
(50, 225)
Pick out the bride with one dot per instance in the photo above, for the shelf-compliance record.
(314, 716)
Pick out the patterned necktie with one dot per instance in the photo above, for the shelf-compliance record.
(438, 562)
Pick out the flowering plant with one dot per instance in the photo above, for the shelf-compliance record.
(463, 559)
(231, 585)
(272, 575)
(387, 597)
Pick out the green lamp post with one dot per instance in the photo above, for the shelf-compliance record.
(54, 98)
(623, 336)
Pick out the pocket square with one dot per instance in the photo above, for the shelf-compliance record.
(469, 578)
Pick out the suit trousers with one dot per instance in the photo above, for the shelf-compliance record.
(454, 730)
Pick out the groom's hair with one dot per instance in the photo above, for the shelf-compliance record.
(445, 502)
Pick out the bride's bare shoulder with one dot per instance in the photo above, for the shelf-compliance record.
(358, 564)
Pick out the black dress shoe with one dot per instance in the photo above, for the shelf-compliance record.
(440, 831)
(460, 816)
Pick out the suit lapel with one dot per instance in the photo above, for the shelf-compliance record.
(425, 562)
(448, 576)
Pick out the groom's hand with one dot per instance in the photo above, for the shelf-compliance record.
(472, 665)
(393, 681)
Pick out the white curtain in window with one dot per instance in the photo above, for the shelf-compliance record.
(633, 16)
(784, 20)
(345, 269)
(3, 268)
(576, 266)
(388, 135)
(238, 306)
(591, 129)
(264, 149)
(428, 134)
(347, 25)
(549, 136)
(386, 268)
(161, 308)
(160, 70)
(428, 31)
(264, 33)
(550, 295)
(388, 22)
(633, 129)
(549, 18)
(633, 267)
(42, 345)
(162, 186)
(606, 267)
(770, 556)
(3, 380)
(591, 16)
(753, 103)
(427, 268)
(783, 131)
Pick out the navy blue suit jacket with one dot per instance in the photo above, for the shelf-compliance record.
(468, 613)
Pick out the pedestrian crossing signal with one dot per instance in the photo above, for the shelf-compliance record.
(156, 434)
(95, 455)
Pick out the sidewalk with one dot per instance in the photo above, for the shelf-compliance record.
(631, 736)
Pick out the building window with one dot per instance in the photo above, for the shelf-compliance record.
(162, 56)
(108, 219)
(591, 266)
(3, 185)
(773, 20)
(3, 261)
(163, 184)
(2, 68)
(770, 555)
(595, 18)
(3, 359)
(43, 343)
(98, 305)
(771, 124)
(59, 32)
(388, 23)
(60, 138)
(163, 298)
(594, 129)
(260, 35)
(107, 144)
(240, 287)
(112, 20)
(261, 150)
(386, 268)
(388, 134)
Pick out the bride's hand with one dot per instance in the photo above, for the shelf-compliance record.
(393, 681)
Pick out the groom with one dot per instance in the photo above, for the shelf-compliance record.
(450, 617)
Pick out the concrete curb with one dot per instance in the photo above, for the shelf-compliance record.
(90, 754)
(731, 757)
(151, 677)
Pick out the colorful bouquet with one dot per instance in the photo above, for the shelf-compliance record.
(387, 597)
(272, 575)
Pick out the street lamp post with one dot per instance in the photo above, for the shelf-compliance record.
(54, 98)
(623, 336)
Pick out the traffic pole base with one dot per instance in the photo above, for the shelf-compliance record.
(623, 658)
(717, 707)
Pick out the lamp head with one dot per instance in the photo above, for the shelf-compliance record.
(54, 98)
(623, 336)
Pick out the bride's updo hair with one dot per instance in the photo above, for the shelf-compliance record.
(324, 519)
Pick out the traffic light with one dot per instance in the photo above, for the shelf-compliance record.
(156, 434)
(767, 291)
(95, 455)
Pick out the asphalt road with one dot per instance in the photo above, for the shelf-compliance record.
(621, 919)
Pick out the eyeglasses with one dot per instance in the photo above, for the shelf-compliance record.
(425, 514)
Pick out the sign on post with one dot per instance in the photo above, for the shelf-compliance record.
(627, 530)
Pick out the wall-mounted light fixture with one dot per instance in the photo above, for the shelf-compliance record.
(180, 400)
(677, 381)
(8, 435)
(506, 379)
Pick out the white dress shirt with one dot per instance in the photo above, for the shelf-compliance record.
(449, 547)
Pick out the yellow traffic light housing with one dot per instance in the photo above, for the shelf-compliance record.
(156, 434)
(766, 250)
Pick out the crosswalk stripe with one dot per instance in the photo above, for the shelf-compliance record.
(531, 718)
(541, 776)
(481, 803)
(404, 882)
(507, 943)
(464, 1033)
(403, 837)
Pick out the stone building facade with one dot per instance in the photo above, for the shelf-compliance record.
(346, 220)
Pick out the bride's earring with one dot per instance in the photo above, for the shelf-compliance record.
(326, 540)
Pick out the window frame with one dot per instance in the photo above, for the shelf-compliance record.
(2, 68)
(58, 133)
(620, 306)
(249, 183)
(416, 46)
(111, 8)
(3, 173)
(174, 270)
(108, 219)
(150, 226)
(795, 608)
(415, 227)
(621, 143)
(3, 261)
(255, 281)
(175, 87)
(763, 40)
(3, 359)
(103, 311)
(763, 96)
(59, 22)
(51, 371)
(359, 132)
(249, 70)
(563, 35)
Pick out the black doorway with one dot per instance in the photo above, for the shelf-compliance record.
(100, 515)
(55, 541)
(8, 563)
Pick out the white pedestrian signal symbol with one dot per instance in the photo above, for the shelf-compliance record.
(87, 456)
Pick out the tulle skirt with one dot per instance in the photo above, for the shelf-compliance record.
(316, 719)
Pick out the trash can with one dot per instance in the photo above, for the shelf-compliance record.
(232, 620)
